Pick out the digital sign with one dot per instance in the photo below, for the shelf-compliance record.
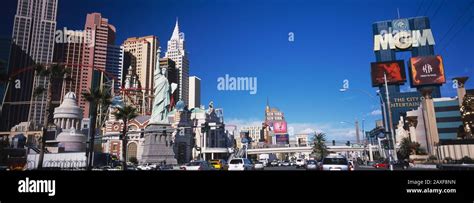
(395, 71)
(427, 70)
(282, 138)
(279, 127)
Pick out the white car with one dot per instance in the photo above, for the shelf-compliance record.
(240, 164)
(335, 163)
(259, 166)
(144, 167)
(197, 166)
(300, 163)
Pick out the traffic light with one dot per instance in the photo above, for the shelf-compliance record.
(333, 142)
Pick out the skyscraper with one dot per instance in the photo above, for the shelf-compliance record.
(69, 53)
(100, 34)
(173, 74)
(114, 65)
(176, 52)
(194, 92)
(33, 42)
(142, 52)
(5, 44)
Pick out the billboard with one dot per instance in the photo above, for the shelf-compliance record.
(279, 127)
(427, 70)
(395, 71)
(282, 138)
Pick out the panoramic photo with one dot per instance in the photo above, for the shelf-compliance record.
(360, 87)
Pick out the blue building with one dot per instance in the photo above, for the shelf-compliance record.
(448, 117)
(114, 64)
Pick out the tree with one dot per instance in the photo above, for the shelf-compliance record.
(125, 114)
(52, 73)
(95, 97)
(319, 145)
(407, 148)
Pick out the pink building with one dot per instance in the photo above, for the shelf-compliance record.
(98, 35)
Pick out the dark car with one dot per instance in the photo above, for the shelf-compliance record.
(402, 164)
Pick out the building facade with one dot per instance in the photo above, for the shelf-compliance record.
(33, 43)
(69, 53)
(176, 51)
(143, 53)
(100, 34)
(255, 133)
(194, 92)
(114, 66)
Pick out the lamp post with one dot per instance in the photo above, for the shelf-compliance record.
(384, 112)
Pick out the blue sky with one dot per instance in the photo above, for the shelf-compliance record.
(333, 42)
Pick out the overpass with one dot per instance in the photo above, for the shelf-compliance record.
(307, 149)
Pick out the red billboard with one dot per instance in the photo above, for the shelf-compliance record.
(279, 127)
(395, 71)
(427, 70)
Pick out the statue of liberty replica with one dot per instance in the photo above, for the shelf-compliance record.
(158, 145)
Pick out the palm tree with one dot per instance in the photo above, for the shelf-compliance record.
(125, 114)
(319, 145)
(52, 72)
(96, 98)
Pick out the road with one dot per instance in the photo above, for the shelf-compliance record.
(358, 168)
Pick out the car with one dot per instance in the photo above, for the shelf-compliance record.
(285, 163)
(219, 164)
(335, 163)
(312, 165)
(382, 164)
(259, 166)
(197, 166)
(274, 163)
(403, 164)
(145, 167)
(240, 164)
(300, 163)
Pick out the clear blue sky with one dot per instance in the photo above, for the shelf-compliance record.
(333, 42)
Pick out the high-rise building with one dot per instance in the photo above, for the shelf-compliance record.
(142, 57)
(33, 43)
(275, 126)
(5, 44)
(194, 92)
(100, 34)
(114, 65)
(176, 52)
(69, 53)
(173, 74)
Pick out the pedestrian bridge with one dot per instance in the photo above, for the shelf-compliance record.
(307, 149)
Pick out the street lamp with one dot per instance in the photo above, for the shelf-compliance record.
(378, 97)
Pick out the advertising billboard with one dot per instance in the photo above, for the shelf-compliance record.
(395, 71)
(279, 127)
(282, 138)
(427, 70)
